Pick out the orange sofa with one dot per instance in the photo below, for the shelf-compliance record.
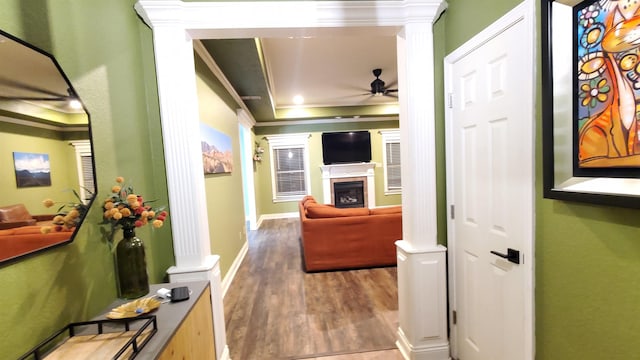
(25, 239)
(348, 238)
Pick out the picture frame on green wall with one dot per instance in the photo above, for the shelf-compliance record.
(217, 151)
(32, 169)
(590, 88)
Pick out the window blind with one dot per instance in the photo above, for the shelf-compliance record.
(86, 162)
(290, 177)
(394, 178)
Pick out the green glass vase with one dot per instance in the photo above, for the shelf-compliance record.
(131, 264)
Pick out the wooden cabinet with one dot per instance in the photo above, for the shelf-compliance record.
(184, 331)
(194, 337)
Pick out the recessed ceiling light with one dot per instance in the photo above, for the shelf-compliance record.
(298, 100)
(75, 104)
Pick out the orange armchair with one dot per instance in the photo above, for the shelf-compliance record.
(17, 215)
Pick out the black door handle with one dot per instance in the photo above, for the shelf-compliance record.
(511, 255)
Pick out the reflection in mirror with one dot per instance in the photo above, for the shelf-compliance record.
(612, 186)
(45, 151)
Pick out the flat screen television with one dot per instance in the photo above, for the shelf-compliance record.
(346, 147)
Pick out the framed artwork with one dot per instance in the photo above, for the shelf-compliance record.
(591, 87)
(607, 80)
(217, 154)
(32, 169)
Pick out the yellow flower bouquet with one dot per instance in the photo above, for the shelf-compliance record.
(126, 209)
(68, 215)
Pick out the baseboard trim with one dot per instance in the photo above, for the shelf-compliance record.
(429, 352)
(276, 216)
(231, 274)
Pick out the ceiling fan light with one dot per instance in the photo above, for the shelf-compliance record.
(377, 87)
(75, 104)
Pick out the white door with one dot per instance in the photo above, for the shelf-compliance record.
(490, 165)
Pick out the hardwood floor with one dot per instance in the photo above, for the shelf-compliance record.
(371, 355)
(274, 310)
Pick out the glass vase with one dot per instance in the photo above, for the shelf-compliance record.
(131, 266)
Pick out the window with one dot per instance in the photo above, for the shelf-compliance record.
(391, 161)
(289, 166)
(84, 160)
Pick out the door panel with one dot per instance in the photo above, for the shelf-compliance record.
(492, 157)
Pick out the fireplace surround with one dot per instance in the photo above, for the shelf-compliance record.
(349, 173)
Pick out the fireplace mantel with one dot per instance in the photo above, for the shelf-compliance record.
(351, 170)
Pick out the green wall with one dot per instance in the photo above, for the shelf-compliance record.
(107, 54)
(264, 197)
(587, 256)
(225, 207)
(62, 160)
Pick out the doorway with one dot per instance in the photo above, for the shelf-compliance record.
(175, 24)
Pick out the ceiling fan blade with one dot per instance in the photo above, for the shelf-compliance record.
(367, 98)
(347, 98)
(390, 90)
(391, 95)
(27, 98)
(26, 87)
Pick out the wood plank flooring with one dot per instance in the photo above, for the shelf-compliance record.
(274, 310)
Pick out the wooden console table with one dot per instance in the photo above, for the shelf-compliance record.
(184, 330)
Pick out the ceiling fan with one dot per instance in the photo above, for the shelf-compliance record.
(14, 90)
(378, 86)
(11, 90)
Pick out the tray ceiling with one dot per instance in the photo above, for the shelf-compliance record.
(332, 74)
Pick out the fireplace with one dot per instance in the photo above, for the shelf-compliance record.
(361, 173)
(349, 194)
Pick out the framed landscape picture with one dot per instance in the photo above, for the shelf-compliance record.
(32, 169)
(217, 154)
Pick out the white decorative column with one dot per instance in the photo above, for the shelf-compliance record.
(173, 50)
(422, 291)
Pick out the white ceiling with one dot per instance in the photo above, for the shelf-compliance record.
(329, 71)
(332, 70)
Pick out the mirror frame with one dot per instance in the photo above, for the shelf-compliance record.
(89, 201)
(559, 181)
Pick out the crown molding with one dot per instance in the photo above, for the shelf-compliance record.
(206, 19)
(326, 121)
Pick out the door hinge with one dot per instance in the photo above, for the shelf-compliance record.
(450, 105)
(453, 212)
(454, 316)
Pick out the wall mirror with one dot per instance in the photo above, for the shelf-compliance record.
(45, 151)
(590, 101)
